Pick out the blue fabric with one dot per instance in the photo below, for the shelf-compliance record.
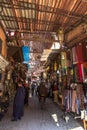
(78, 105)
(26, 52)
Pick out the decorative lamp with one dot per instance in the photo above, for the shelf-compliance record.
(61, 36)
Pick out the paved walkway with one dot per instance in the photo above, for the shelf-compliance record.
(36, 119)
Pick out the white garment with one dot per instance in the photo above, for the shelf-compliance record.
(82, 114)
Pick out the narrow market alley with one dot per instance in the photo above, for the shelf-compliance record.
(43, 51)
(35, 118)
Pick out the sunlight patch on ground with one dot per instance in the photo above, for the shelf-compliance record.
(54, 116)
(77, 128)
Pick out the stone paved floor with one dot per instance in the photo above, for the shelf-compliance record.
(36, 119)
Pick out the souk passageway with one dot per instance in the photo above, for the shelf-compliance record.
(35, 118)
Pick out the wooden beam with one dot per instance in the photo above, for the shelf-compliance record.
(77, 40)
(76, 35)
(35, 39)
(3, 28)
(27, 20)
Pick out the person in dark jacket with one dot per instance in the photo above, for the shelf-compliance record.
(26, 86)
(42, 91)
(18, 105)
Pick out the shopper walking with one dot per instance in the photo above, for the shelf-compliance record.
(18, 105)
(42, 91)
(26, 86)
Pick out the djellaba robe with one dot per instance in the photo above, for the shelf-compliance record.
(18, 105)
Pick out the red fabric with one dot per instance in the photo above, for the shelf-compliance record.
(55, 88)
(80, 72)
(79, 53)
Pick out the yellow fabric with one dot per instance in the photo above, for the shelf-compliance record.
(55, 93)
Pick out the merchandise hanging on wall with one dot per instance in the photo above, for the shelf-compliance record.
(3, 62)
(26, 52)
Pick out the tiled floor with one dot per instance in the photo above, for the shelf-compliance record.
(37, 119)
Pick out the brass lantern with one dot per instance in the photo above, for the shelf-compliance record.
(60, 36)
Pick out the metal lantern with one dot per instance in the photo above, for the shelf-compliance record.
(61, 36)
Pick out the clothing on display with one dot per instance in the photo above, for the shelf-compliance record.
(73, 99)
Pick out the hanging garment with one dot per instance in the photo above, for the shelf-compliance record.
(82, 114)
(70, 100)
(55, 93)
(74, 97)
(75, 60)
(77, 106)
(80, 95)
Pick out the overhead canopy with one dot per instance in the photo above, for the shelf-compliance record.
(41, 17)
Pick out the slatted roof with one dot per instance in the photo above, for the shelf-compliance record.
(41, 15)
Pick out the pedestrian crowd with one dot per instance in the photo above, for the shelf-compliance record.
(25, 89)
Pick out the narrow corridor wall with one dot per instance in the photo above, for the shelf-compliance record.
(3, 38)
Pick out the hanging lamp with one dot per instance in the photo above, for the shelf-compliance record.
(61, 36)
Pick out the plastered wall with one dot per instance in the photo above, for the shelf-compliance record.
(3, 38)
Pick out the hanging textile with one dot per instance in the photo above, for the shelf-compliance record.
(74, 54)
(63, 60)
(69, 59)
(79, 53)
(26, 53)
(74, 96)
(80, 94)
(80, 72)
